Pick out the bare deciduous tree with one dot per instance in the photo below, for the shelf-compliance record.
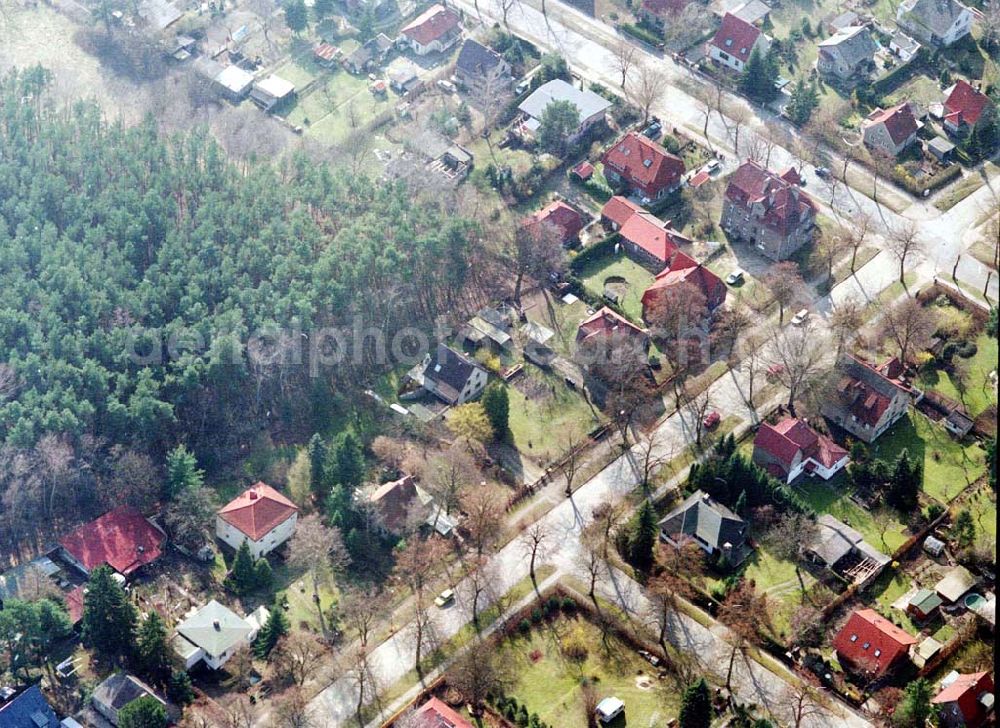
(534, 541)
(484, 507)
(785, 283)
(319, 550)
(846, 320)
(359, 607)
(857, 234)
(909, 325)
(903, 241)
(296, 657)
(800, 353)
(788, 537)
(647, 86)
(477, 673)
(623, 57)
(292, 710)
(448, 475)
(747, 615)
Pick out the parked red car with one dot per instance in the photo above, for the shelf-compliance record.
(711, 420)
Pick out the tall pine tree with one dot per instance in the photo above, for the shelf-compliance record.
(182, 472)
(318, 480)
(496, 404)
(152, 655)
(108, 617)
(904, 484)
(643, 539)
(273, 630)
(243, 574)
(696, 706)
(348, 466)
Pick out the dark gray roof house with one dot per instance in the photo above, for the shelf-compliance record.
(116, 692)
(477, 62)
(26, 709)
(716, 529)
(452, 376)
(846, 54)
(935, 22)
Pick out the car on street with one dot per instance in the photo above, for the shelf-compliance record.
(735, 277)
(822, 172)
(713, 166)
(711, 420)
(445, 598)
(653, 131)
(800, 318)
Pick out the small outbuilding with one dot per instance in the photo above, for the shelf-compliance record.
(955, 584)
(272, 92)
(924, 604)
(933, 546)
(609, 709)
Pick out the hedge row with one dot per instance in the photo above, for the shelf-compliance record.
(593, 252)
(917, 187)
(644, 34)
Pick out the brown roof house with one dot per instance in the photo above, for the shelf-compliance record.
(436, 29)
(869, 399)
(963, 107)
(768, 211)
(643, 167)
(890, 130)
(965, 700)
(847, 55)
(403, 504)
(261, 517)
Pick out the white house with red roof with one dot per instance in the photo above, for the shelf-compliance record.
(965, 700)
(684, 269)
(123, 539)
(767, 210)
(644, 167)
(871, 644)
(791, 447)
(558, 217)
(890, 130)
(869, 399)
(436, 29)
(438, 714)
(261, 517)
(963, 107)
(735, 41)
(644, 237)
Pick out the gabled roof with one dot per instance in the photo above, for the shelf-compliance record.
(619, 209)
(702, 516)
(28, 710)
(792, 436)
(606, 322)
(432, 24)
(477, 59)
(933, 16)
(955, 584)
(898, 120)
(121, 538)
(643, 163)
(925, 600)
(449, 370)
(559, 215)
(854, 44)
(964, 104)
(215, 628)
(394, 500)
(871, 641)
(586, 101)
(652, 235)
(866, 392)
(736, 37)
(965, 691)
(437, 714)
(120, 689)
(685, 269)
(258, 510)
(783, 204)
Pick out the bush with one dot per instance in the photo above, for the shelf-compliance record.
(524, 626)
(642, 33)
(934, 510)
(536, 615)
(671, 143)
(593, 252)
(551, 605)
(568, 604)
(967, 349)
(574, 645)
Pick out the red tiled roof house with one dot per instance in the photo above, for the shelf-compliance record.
(644, 237)
(260, 516)
(437, 714)
(871, 644)
(791, 447)
(436, 29)
(868, 399)
(121, 538)
(643, 167)
(963, 107)
(607, 323)
(768, 211)
(564, 221)
(965, 700)
(735, 41)
(890, 130)
(684, 269)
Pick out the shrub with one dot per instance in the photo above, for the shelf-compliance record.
(568, 604)
(671, 143)
(967, 349)
(551, 605)
(524, 626)
(574, 645)
(934, 510)
(536, 615)
(522, 716)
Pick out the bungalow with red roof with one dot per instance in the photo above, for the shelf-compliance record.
(684, 269)
(645, 238)
(965, 700)
(608, 323)
(437, 714)
(735, 41)
(768, 211)
(123, 539)
(642, 166)
(617, 211)
(436, 29)
(560, 218)
(890, 130)
(869, 399)
(792, 447)
(261, 517)
(963, 107)
(871, 644)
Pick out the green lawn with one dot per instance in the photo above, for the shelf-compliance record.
(542, 424)
(890, 586)
(342, 105)
(983, 506)
(920, 89)
(833, 497)
(949, 466)
(979, 391)
(297, 72)
(548, 682)
(595, 273)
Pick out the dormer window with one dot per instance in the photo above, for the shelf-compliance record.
(878, 653)
(743, 51)
(866, 645)
(854, 638)
(647, 163)
(729, 42)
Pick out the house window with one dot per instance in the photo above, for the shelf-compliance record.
(878, 653)
(866, 645)
(854, 638)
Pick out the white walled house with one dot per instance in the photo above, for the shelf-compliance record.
(735, 42)
(435, 30)
(935, 22)
(214, 633)
(260, 516)
(452, 376)
(792, 448)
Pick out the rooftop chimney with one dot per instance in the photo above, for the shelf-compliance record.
(218, 627)
(254, 495)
